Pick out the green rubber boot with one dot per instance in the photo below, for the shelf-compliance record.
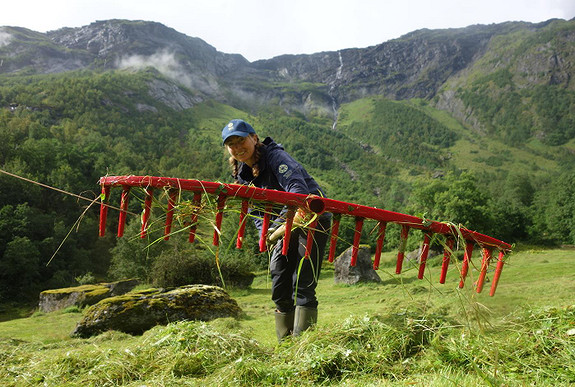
(284, 324)
(304, 318)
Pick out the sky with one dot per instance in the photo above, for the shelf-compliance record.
(262, 29)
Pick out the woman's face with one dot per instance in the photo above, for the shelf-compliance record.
(242, 148)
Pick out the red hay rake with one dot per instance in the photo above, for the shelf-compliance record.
(268, 198)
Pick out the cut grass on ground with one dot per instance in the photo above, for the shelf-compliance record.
(400, 331)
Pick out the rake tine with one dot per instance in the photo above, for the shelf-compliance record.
(219, 218)
(379, 245)
(309, 241)
(265, 228)
(147, 210)
(123, 208)
(196, 202)
(484, 266)
(333, 237)
(466, 259)
(104, 209)
(242, 229)
(356, 240)
(288, 225)
(172, 196)
(424, 254)
(446, 258)
(402, 246)
(497, 274)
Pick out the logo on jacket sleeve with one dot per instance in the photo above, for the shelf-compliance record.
(282, 168)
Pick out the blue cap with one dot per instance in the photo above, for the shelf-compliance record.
(237, 128)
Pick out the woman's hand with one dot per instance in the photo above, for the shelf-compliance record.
(300, 219)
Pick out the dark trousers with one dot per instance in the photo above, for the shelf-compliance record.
(289, 281)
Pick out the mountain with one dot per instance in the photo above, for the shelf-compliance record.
(416, 65)
(435, 65)
(117, 44)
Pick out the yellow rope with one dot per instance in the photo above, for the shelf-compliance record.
(77, 223)
(60, 190)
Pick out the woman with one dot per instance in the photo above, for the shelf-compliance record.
(267, 165)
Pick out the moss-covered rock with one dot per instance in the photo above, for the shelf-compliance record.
(56, 299)
(137, 312)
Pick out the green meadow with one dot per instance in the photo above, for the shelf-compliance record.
(402, 331)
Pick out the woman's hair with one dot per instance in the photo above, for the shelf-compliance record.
(255, 168)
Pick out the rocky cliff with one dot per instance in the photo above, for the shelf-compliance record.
(417, 65)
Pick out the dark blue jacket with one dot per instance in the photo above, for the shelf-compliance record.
(279, 171)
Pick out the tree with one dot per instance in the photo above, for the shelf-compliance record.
(456, 199)
(19, 268)
(555, 216)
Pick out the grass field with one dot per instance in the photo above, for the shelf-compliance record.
(402, 331)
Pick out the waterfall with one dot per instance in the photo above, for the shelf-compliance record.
(332, 90)
(340, 68)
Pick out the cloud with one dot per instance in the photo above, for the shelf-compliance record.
(163, 61)
(5, 38)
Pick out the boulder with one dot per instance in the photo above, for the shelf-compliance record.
(136, 312)
(56, 299)
(414, 256)
(361, 272)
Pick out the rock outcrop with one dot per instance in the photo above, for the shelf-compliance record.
(136, 312)
(85, 295)
(363, 270)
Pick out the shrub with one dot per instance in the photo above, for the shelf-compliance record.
(178, 268)
(86, 279)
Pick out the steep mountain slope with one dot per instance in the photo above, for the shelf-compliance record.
(118, 44)
(24, 51)
(521, 88)
(416, 65)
